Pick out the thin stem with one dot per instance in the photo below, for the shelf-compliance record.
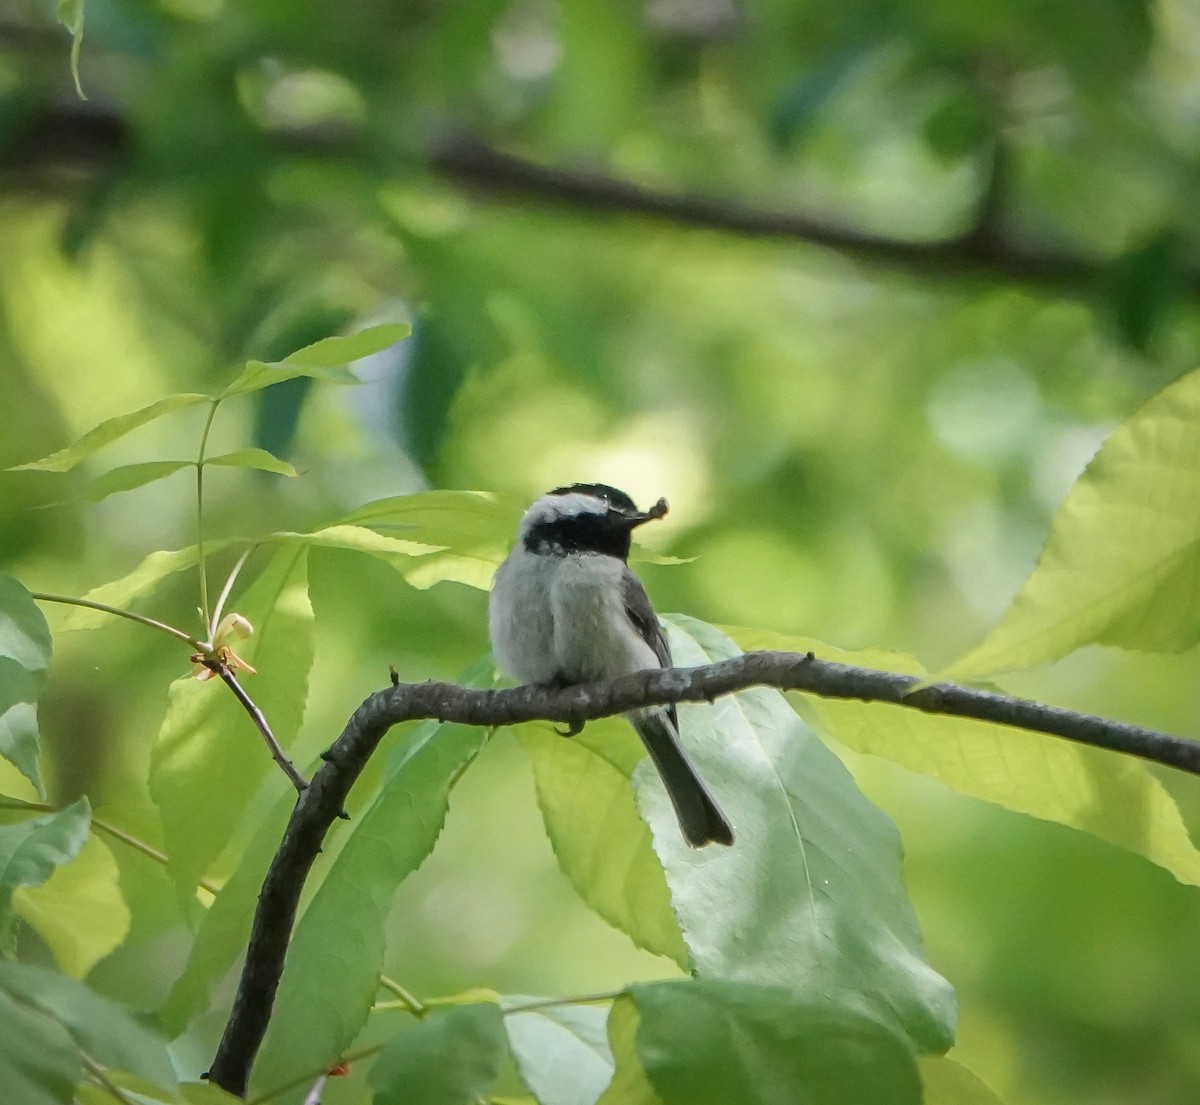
(212, 413)
(219, 609)
(551, 1003)
(407, 1001)
(311, 1076)
(136, 843)
(97, 1072)
(162, 627)
(256, 715)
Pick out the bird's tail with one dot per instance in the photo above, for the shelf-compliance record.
(700, 819)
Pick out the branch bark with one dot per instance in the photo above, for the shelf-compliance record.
(324, 799)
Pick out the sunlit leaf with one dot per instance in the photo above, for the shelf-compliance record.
(122, 592)
(629, 1085)
(811, 895)
(336, 955)
(600, 842)
(946, 1082)
(1110, 796)
(361, 539)
(104, 1030)
(451, 1057)
(80, 911)
(25, 648)
(728, 1043)
(70, 15)
(470, 533)
(210, 758)
(1121, 565)
(561, 1051)
(225, 929)
(258, 459)
(130, 476)
(30, 850)
(108, 432)
(322, 360)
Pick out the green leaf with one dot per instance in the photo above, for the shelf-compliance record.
(727, 1043)
(122, 592)
(336, 955)
(31, 850)
(1121, 565)
(361, 539)
(1113, 797)
(39, 1064)
(25, 648)
(103, 1030)
(949, 1083)
(225, 929)
(322, 360)
(601, 843)
(812, 894)
(80, 911)
(629, 1086)
(70, 15)
(561, 1051)
(131, 476)
(470, 532)
(258, 459)
(210, 758)
(108, 432)
(451, 1057)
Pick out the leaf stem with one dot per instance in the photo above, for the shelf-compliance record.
(219, 609)
(311, 1076)
(551, 1003)
(212, 413)
(162, 627)
(408, 1000)
(97, 1072)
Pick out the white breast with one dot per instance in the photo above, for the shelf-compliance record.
(562, 617)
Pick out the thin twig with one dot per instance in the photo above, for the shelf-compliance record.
(289, 769)
(212, 413)
(97, 1072)
(408, 1000)
(553, 1003)
(323, 801)
(129, 615)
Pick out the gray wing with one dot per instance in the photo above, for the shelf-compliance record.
(640, 612)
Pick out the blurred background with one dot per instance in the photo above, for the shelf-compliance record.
(858, 287)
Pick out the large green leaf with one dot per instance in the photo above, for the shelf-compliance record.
(80, 911)
(471, 532)
(225, 929)
(812, 894)
(1121, 565)
(105, 1031)
(25, 648)
(561, 1051)
(323, 360)
(122, 592)
(1110, 796)
(336, 955)
(601, 843)
(39, 1063)
(30, 851)
(736, 1044)
(629, 1085)
(210, 758)
(451, 1057)
(108, 432)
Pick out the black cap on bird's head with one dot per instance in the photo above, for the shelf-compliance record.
(585, 518)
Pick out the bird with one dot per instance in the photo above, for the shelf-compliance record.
(566, 608)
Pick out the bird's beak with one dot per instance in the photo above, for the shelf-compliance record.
(638, 517)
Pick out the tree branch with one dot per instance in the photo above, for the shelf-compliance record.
(325, 797)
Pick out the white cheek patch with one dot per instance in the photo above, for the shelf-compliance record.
(550, 507)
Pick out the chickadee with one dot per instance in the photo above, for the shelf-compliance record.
(566, 609)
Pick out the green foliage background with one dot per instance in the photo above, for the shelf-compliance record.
(862, 451)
